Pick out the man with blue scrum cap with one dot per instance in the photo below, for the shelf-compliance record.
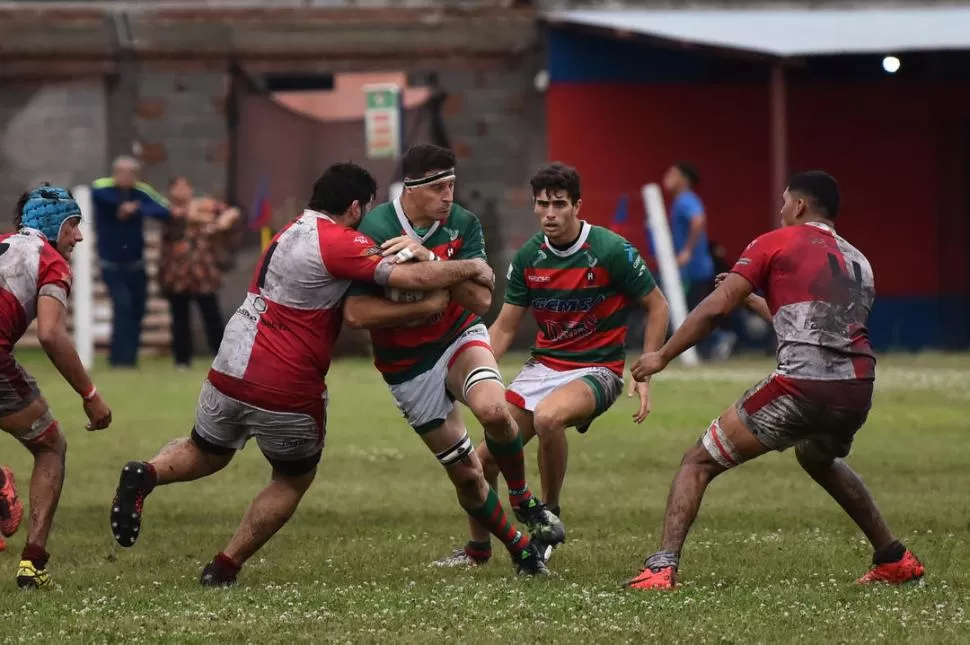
(35, 281)
(121, 202)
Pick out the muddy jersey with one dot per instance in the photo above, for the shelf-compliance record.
(581, 297)
(277, 346)
(30, 267)
(402, 353)
(820, 290)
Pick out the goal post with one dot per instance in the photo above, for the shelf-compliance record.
(658, 228)
(82, 289)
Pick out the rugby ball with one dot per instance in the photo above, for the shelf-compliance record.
(400, 295)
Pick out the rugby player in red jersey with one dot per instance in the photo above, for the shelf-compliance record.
(818, 292)
(267, 381)
(35, 282)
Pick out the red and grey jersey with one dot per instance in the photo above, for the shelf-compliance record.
(820, 290)
(30, 267)
(277, 346)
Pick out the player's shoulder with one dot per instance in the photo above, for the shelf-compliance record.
(380, 220)
(528, 253)
(772, 240)
(603, 241)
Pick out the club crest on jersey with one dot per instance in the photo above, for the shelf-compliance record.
(540, 256)
(259, 304)
(452, 233)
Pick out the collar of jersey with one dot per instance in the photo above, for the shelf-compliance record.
(33, 231)
(578, 244)
(309, 211)
(406, 223)
(821, 225)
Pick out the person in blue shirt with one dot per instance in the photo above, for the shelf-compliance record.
(121, 203)
(689, 230)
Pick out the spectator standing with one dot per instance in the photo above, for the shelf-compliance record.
(689, 229)
(121, 202)
(193, 250)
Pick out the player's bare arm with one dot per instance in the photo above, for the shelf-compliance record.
(502, 332)
(472, 296)
(701, 321)
(754, 302)
(654, 333)
(57, 343)
(375, 312)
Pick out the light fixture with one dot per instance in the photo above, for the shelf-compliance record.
(890, 64)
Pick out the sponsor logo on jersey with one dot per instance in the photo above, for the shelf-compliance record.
(537, 278)
(567, 305)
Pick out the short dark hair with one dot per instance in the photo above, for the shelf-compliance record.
(340, 186)
(554, 177)
(820, 188)
(421, 159)
(689, 171)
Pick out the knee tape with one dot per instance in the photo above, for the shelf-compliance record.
(479, 375)
(41, 430)
(717, 445)
(456, 452)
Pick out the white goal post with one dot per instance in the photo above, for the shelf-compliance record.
(659, 229)
(82, 289)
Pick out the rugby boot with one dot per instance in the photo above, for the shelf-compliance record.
(543, 524)
(11, 508)
(529, 562)
(30, 576)
(663, 578)
(126, 508)
(906, 569)
(472, 554)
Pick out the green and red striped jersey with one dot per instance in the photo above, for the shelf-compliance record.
(402, 353)
(581, 297)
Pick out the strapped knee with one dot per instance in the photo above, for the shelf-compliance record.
(458, 451)
(719, 447)
(480, 375)
(44, 432)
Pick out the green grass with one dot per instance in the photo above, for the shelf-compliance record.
(771, 558)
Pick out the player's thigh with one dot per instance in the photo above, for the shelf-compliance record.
(767, 417)
(423, 400)
(220, 430)
(24, 413)
(569, 404)
(291, 442)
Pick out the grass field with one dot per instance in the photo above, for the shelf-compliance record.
(771, 559)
